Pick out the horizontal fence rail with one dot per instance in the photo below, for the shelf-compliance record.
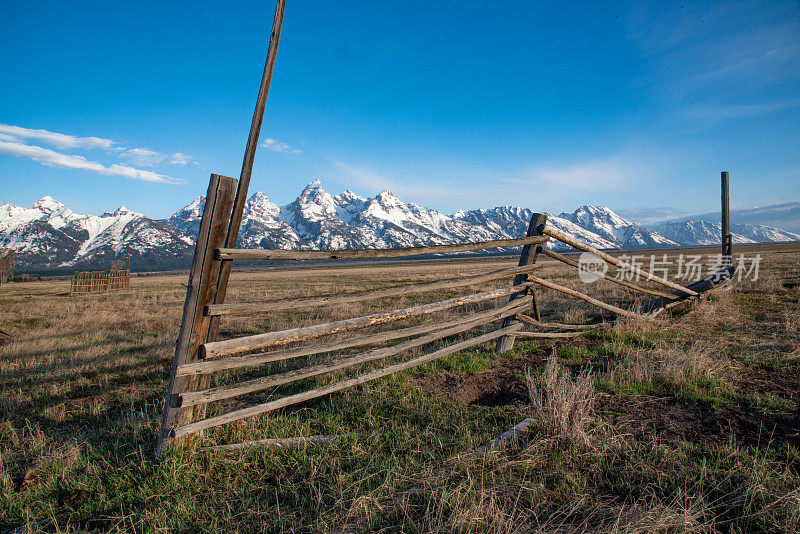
(258, 384)
(246, 308)
(216, 349)
(252, 360)
(338, 386)
(564, 238)
(365, 253)
(348, 351)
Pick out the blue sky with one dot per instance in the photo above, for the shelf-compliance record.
(636, 106)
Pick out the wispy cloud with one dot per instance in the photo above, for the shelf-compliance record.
(45, 156)
(372, 181)
(151, 158)
(739, 110)
(58, 140)
(591, 175)
(701, 54)
(278, 146)
(13, 143)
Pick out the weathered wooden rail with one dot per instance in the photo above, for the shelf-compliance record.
(442, 327)
(199, 355)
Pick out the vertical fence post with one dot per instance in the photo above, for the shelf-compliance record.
(199, 293)
(727, 240)
(527, 257)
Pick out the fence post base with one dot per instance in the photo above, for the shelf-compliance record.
(527, 257)
(199, 293)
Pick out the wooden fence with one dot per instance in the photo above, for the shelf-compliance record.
(495, 315)
(100, 281)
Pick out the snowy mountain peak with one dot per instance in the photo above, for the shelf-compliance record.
(348, 196)
(387, 198)
(260, 207)
(49, 235)
(196, 204)
(47, 204)
(313, 185)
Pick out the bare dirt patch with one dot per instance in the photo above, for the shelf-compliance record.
(669, 420)
(647, 417)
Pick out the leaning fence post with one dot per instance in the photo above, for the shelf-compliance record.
(199, 293)
(527, 257)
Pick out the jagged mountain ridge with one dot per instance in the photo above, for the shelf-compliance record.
(50, 236)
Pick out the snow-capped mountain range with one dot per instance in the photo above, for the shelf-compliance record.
(49, 236)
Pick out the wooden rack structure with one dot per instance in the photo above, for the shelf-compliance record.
(199, 355)
(100, 281)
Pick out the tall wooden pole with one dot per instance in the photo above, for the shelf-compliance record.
(247, 163)
(244, 184)
(727, 241)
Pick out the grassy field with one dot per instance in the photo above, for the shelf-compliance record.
(688, 424)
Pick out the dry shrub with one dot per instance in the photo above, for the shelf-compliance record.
(675, 365)
(767, 282)
(718, 308)
(639, 326)
(574, 316)
(791, 321)
(563, 405)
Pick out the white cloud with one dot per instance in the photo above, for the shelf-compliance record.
(371, 181)
(180, 159)
(278, 146)
(52, 158)
(58, 140)
(720, 112)
(143, 156)
(592, 175)
(150, 158)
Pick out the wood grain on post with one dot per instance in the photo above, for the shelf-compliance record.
(337, 300)
(253, 360)
(215, 349)
(574, 263)
(252, 411)
(258, 384)
(564, 238)
(527, 257)
(364, 253)
(199, 292)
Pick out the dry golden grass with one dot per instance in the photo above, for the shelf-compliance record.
(81, 387)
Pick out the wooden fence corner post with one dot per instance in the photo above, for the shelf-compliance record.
(527, 257)
(199, 293)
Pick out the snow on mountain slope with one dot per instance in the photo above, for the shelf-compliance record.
(187, 219)
(764, 234)
(49, 235)
(622, 232)
(693, 233)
